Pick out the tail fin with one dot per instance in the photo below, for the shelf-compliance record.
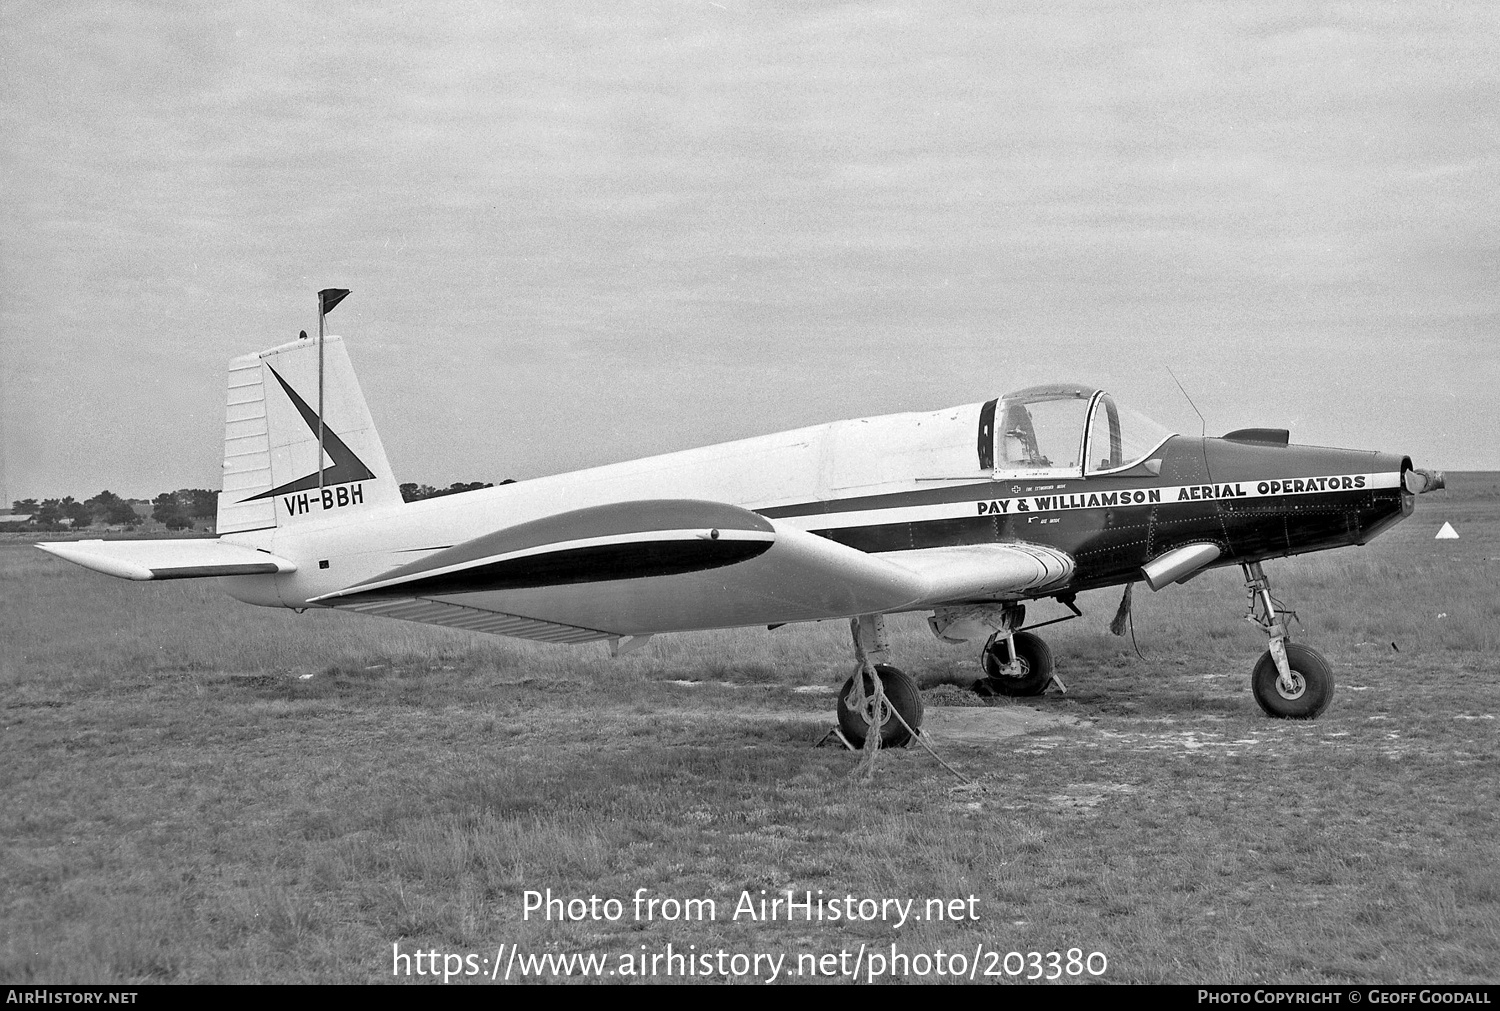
(272, 474)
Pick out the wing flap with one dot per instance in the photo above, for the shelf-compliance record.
(169, 559)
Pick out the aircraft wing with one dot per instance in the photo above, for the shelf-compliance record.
(638, 568)
(169, 559)
(977, 572)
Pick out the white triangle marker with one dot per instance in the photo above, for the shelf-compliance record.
(1447, 533)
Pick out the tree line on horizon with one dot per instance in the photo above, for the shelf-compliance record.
(176, 510)
(182, 509)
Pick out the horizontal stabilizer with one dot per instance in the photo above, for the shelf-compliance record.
(173, 559)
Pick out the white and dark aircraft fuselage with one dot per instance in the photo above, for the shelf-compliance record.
(965, 512)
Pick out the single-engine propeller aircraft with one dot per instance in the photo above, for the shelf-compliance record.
(965, 513)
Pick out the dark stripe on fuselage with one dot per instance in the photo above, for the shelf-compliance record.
(593, 564)
(586, 524)
(1110, 542)
(984, 491)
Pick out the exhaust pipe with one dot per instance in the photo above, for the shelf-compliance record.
(1178, 564)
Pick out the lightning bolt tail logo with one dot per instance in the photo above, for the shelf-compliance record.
(347, 467)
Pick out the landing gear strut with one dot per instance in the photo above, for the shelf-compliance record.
(1016, 664)
(864, 704)
(1290, 681)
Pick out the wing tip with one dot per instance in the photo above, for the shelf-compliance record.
(75, 552)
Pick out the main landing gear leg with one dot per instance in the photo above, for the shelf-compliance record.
(1016, 664)
(1290, 681)
(877, 692)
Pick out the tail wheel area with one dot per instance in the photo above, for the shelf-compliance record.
(1310, 689)
(901, 695)
(1027, 675)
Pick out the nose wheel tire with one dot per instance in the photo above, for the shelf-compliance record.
(1027, 676)
(1309, 693)
(901, 692)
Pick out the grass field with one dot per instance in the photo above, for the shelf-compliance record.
(200, 791)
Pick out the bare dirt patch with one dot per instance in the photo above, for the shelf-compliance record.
(965, 726)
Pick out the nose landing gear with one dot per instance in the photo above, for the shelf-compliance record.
(1290, 681)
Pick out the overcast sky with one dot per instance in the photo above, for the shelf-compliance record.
(584, 233)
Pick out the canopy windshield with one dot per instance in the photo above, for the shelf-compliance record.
(1068, 431)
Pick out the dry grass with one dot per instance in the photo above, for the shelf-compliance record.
(182, 804)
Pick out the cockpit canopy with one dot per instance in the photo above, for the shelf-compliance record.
(1069, 431)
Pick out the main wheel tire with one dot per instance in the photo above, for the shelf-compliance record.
(901, 692)
(1035, 663)
(1314, 684)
